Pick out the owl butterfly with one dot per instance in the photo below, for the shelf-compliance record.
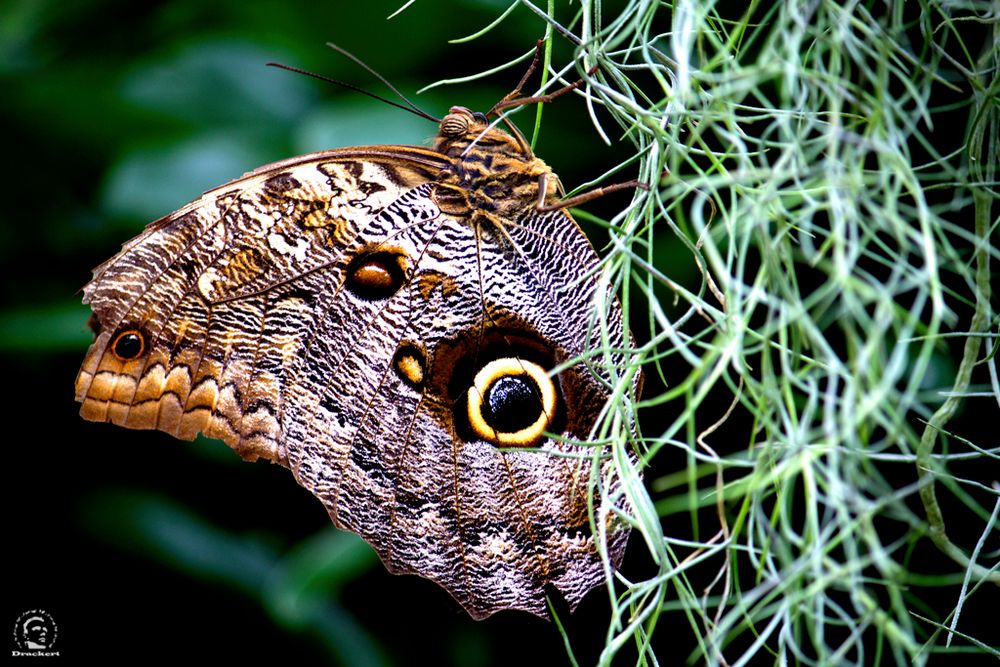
(404, 328)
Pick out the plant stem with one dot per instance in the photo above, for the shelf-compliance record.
(984, 126)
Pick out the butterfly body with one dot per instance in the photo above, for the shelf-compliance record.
(401, 327)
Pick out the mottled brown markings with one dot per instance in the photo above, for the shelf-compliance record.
(315, 216)
(331, 405)
(528, 265)
(245, 263)
(245, 400)
(187, 407)
(198, 384)
(525, 520)
(325, 387)
(281, 182)
(187, 267)
(404, 496)
(308, 297)
(333, 507)
(369, 188)
(429, 281)
(543, 563)
(489, 183)
(365, 456)
(309, 341)
(240, 264)
(457, 496)
(153, 339)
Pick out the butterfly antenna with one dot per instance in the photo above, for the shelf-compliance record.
(344, 52)
(409, 106)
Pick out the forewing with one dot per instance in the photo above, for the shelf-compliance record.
(223, 292)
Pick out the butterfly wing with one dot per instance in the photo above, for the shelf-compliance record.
(395, 463)
(255, 327)
(209, 298)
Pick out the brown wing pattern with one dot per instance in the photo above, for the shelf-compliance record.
(216, 293)
(329, 313)
(389, 460)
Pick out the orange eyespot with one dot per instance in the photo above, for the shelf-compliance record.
(376, 276)
(128, 345)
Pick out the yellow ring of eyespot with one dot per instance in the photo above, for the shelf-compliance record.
(492, 372)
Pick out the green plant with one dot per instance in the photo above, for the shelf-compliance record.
(812, 373)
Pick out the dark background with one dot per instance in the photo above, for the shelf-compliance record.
(139, 545)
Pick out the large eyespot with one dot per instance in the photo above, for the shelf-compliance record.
(511, 402)
(129, 345)
(376, 276)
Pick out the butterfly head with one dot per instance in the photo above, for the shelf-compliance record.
(463, 130)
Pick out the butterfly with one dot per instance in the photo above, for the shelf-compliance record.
(407, 330)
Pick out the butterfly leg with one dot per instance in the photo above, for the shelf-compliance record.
(514, 99)
(583, 197)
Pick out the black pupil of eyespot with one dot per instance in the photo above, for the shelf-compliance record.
(511, 404)
(128, 346)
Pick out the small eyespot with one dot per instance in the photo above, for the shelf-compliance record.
(376, 276)
(128, 345)
(512, 402)
(411, 366)
(455, 124)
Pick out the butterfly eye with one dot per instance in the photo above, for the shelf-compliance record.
(455, 125)
(376, 276)
(512, 402)
(129, 345)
